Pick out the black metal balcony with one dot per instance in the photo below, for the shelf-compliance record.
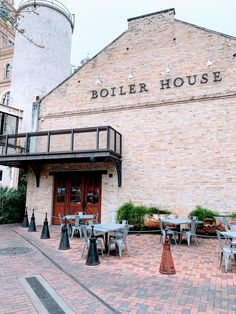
(95, 144)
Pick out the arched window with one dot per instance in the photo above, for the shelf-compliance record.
(7, 70)
(6, 99)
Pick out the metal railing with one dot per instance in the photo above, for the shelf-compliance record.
(50, 3)
(93, 139)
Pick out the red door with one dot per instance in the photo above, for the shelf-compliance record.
(77, 192)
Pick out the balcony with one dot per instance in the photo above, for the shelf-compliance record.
(95, 144)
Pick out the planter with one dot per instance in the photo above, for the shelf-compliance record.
(152, 224)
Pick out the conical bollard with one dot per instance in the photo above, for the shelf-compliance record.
(64, 243)
(92, 257)
(25, 223)
(32, 226)
(45, 231)
(167, 265)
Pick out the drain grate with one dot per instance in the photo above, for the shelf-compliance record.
(15, 250)
(44, 296)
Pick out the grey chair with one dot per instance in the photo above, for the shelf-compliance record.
(117, 233)
(227, 251)
(191, 233)
(166, 232)
(224, 221)
(68, 224)
(86, 231)
(77, 227)
(119, 241)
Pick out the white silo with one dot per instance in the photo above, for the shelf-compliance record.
(42, 52)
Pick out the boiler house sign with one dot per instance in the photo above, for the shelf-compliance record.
(164, 84)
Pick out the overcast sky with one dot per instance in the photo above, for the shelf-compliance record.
(99, 22)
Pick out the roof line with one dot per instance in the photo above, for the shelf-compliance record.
(150, 14)
(111, 43)
(206, 29)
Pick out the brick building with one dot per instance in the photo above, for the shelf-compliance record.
(151, 119)
(10, 118)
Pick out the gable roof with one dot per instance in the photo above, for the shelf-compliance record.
(172, 10)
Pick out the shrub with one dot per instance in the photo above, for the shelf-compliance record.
(156, 210)
(233, 215)
(203, 213)
(135, 214)
(12, 202)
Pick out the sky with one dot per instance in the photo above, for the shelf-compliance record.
(99, 22)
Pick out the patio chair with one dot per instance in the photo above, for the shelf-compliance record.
(224, 221)
(227, 250)
(119, 241)
(114, 217)
(90, 222)
(77, 227)
(87, 240)
(167, 232)
(191, 232)
(95, 219)
(117, 233)
(62, 223)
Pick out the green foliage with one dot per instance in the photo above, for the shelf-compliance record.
(203, 213)
(233, 215)
(156, 210)
(12, 202)
(135, 214)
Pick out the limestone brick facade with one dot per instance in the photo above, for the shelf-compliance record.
(169, 88)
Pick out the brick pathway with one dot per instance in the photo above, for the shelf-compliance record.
(130, 285)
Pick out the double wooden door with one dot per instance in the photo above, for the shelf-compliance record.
(77, 192)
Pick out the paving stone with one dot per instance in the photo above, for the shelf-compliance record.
(131, 284)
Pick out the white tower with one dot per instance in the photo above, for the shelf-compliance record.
(42, 53)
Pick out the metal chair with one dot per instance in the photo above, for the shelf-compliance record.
(95, 219)
(119, 241)
(226, 249)
(191, 232)
(77, 227)
(85, 231)
(62, 223)
(166, 231)
(117, 233)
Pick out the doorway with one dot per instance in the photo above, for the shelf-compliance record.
(77, 192)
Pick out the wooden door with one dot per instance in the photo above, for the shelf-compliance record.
(92, 194)
(77, 192)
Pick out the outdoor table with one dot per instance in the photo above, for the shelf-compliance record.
(178, 222)
(106, 228)
(230, 234)
(81, 216)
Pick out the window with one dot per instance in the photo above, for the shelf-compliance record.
(10, 43)
(7, 70)
(4, 12)
(6, 99)
(0, 175)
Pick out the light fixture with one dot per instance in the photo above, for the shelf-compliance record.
(168, 69)
(98, 80)
(131, 75)
(209, 62)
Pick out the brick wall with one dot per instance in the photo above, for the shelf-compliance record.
(179, 146)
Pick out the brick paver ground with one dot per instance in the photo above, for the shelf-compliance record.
(132, 284)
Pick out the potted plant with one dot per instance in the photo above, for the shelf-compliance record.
(207, 217)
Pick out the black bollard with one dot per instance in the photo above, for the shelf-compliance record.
(92, 257)
(32, 226)
(25, 223)
(64, 243)
(45, 231)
